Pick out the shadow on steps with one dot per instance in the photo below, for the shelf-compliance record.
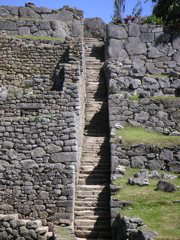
(97, 226)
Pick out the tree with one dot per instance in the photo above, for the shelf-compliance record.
(168, 10)
(119, 7)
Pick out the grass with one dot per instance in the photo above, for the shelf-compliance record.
(136, 135)
(42, 38)
(165, 98)
(62, 233)
(155, 208)
(135, 97)
(160, 75)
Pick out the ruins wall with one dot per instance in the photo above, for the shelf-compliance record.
(39, 21)
(142, 63)
(41, 139)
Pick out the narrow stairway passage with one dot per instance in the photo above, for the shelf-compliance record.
(92, 204)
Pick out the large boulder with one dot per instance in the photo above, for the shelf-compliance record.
(94, 27)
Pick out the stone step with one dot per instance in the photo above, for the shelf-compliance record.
(97, 233)
(91, 223)
(89, 215)
(97, 134)
(94, 152)
(94, 200)
(91, 193)
(89, 187)
(102, 204)
(91, 163)
(91, 181)
(96, 105)
(78, 238)
(89, 168)
(93, 175)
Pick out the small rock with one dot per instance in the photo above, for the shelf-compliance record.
(168, 176)
(140, 179)
(154, 174)
(165, 186)
(175, 133)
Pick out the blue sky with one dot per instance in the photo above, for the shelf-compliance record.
(91, 8)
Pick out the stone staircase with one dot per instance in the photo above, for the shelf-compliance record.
(92, 210)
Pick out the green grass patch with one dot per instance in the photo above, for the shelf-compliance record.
(135, 98)
(157, 209)
(165, 98)
(62, 233)
(136, 135)
(41, 38)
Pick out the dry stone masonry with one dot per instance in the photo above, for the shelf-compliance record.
(142, 70)
(39, 21)
(41, 139)
(56, 116)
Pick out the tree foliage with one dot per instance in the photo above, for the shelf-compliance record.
(168, 10)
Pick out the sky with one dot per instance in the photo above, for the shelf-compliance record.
(91, 8)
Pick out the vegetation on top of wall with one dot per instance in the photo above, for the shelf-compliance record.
(157, 209)
(136, 135)
(165, 98)
(152, 19)
(41, 38)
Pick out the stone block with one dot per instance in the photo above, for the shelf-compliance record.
(44, 25)
(134, 30)
(9, 25)
(155, 165)
(144, 28)
(38, 153)
(4, 13)
(176, 57)
(164, 82)
(116, 31)
(153, 52)
(28, 164)
(142, 116)
(134, 46)
(77, 28)
(30, 106)
(8, 144)
(52, 148)
(138, 161)
(40, 33)
(63, 157)
(176, 41)
(166, 155)
(116, 50)
(24, 31)
(162, 38)
(147, 37)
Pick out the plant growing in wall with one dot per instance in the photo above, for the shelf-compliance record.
(119, 7)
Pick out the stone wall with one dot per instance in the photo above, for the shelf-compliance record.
(39, 21)
(23, 58)
(40, 142)
(157, 113)
(14, 228)
(144, 156)
(142, 71)
(146, 59)
(140, 81)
